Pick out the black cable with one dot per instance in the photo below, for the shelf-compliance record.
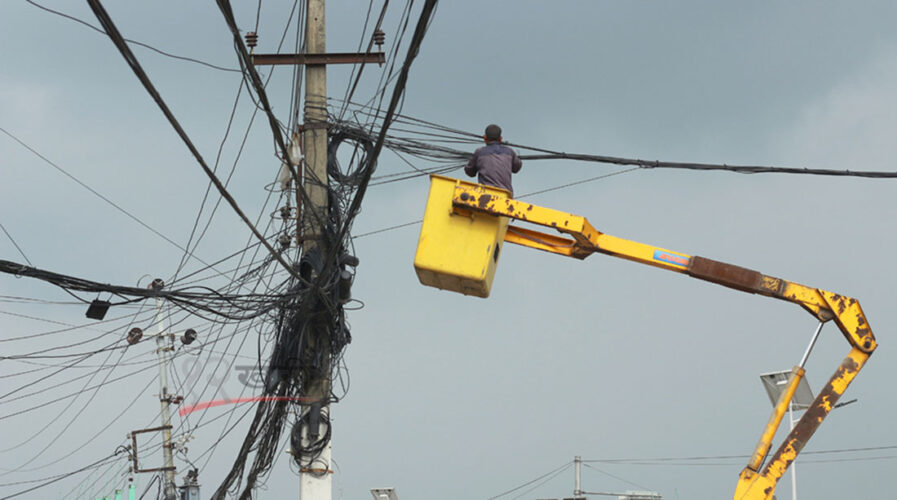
(256, 81)
(461, 136)
(119, 42)
(350, 91)
(539, 484)
(562, 186)
(524, 485)
(54, 479)
(205, 195)
(150, 47)
(225, 305)
(98, 195)
(625, 461)
(413, 48)
(16, 245)
(617, 477)
(149, 485)
(245, 135)
(742, 169)
(69, 396)
(390, 228)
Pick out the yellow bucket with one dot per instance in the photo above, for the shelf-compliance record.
(459, 252)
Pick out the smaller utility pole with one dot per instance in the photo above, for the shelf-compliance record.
(577, 477)
(169, 491)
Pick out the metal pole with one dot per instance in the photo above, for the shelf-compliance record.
(803, 360)
(169, 491)
(794, 465)
(315, 479)
(577, 488)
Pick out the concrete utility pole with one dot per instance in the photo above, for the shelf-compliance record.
(169, 490)
(315, 478)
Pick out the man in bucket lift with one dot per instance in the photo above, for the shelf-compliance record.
(494, 162)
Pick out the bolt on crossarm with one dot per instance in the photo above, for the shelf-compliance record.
(756, 482)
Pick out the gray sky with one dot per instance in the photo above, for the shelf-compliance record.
(453, 396)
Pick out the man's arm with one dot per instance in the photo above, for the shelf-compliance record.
(471, 168)
(516, 163)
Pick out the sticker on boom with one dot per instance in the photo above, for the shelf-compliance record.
(671, 258)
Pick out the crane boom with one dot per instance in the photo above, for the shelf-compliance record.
(756, 482)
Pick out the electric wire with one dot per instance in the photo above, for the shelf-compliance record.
(539, 484)
(53, 479)
(16, 245)
(558, 470)
(596, 469)
(119, 42)
(243, 142)
(662, 460)
(98, 194)
(141, 44)
(526, 195)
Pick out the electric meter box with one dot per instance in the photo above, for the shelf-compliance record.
(459, 251)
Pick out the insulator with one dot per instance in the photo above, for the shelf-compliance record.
(157, 284)
(134, 335)
(285, 240)
(379, 37)
(189, 336)
(285, 212)
(252, 39)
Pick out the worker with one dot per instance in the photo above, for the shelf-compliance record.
(494, 163)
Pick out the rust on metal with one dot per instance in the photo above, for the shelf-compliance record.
(318, 59)
(484, 200)
(813, 417)
(134, 449)
(732, 276)
(772, 286)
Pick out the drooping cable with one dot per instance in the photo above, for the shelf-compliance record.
(119, 42)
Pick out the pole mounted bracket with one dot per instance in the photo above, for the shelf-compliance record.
(133, 436)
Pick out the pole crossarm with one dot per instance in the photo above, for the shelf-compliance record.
(755, 482)
(313, 59)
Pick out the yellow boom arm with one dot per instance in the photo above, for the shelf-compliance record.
(755, 481)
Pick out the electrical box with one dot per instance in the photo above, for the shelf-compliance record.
(459, 251)
(190, 492)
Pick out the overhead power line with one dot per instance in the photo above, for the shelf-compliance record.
(741, 169)
(524, 485)
(53, 479)
(541, 191)
(94, 191)
(119, 42)
(16, 245)
(135, 42)
(661, 460)
(447, 135)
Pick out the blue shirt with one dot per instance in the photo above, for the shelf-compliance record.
(493, 164)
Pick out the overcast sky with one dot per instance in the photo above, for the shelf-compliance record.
(453, 396)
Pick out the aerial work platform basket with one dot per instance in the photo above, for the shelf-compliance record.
(458, 250)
